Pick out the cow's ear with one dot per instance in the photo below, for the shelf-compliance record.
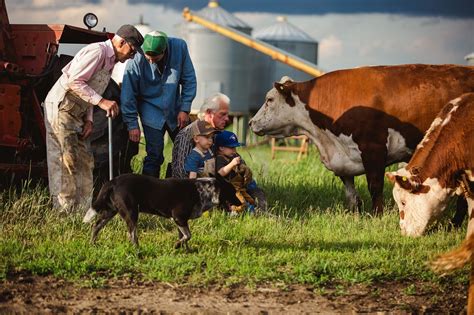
(391, 176)
(404, 182)
(417, 185)
(286, 89)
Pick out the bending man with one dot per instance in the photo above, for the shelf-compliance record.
(158, 86)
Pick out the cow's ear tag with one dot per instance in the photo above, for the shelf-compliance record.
(281, 87)
(404, 178)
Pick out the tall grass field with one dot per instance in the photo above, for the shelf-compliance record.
(306, 237)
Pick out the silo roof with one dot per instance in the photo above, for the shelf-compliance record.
(215, 13)
(283, 31)
(142, 27)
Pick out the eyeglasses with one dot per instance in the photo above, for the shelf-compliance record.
(133, 51)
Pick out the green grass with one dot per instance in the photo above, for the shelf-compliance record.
(308, 237)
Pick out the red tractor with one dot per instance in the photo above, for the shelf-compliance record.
(29, 66)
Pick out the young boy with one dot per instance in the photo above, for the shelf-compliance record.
(230, 166)
(203, 134)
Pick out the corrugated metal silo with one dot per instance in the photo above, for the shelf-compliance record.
(470, 59)
(288, 37)
(221, 64)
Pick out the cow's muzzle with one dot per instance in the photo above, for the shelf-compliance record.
(255, 128)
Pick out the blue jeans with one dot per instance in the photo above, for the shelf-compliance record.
(252, 185)
(154, 148)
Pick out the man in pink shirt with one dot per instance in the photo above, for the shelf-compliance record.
(69, 111)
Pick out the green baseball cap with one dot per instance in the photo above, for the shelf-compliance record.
(155, 42)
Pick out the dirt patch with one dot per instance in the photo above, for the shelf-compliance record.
(39, 294)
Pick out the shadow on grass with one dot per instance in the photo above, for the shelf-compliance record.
(300, 197)
(321, 246)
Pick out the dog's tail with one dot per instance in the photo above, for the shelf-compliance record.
(456, 258)
(100, 202)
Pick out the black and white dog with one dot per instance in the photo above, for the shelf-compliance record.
(180, 199)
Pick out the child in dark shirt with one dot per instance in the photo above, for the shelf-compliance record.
(232, 167)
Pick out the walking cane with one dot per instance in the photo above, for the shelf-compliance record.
(111, 162)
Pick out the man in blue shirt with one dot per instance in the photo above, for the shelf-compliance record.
(159, 86)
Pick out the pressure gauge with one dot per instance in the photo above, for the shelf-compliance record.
(90, 20)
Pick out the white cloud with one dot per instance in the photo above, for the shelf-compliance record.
(346, 40)
(111, 14)
(330, 47)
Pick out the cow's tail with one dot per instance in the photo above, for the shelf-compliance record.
(456, 258)
(100, 203)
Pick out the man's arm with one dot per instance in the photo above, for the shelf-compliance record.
(82, 68)
(84, 65)
(187, 81)
(128, 98)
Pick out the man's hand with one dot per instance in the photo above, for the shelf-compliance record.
(111, 107)
(86, 130)
(183, 119)
(134, 135)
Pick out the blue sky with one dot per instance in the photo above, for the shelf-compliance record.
(350, 33)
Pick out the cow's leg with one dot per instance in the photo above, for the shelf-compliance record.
(375, 183)
(470, 211)
(352, 197)
(470, 296)
(461, 211)
(374, 164)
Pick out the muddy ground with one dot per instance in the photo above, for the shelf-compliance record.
(26, 294)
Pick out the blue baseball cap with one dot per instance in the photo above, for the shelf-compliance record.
(226, 139)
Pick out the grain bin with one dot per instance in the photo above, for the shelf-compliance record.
(288, 37)
(470, 59)
(221, 64)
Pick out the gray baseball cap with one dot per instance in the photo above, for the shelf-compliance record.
(131, 35)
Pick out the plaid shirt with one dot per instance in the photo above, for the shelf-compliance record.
(182, 146)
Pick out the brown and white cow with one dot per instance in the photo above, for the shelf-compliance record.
(442, 165)
(363, 119)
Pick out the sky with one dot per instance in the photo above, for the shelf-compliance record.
(350, 33)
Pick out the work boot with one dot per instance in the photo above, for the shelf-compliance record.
(154, 174)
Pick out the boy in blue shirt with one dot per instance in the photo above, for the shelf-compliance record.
(203, 135)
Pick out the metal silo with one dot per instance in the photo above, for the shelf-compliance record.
(221, 64)
(470, 59)
(288, 37)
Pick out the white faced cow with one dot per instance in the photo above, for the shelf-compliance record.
(363, 119)
(442, 165)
